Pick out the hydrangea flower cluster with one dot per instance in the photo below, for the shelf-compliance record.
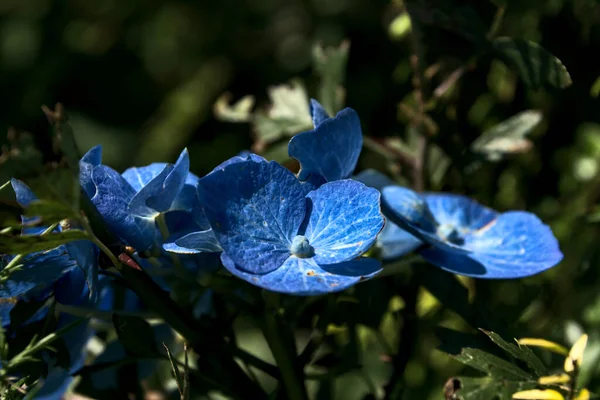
(300, 234)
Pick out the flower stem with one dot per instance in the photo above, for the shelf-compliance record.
(282, 345)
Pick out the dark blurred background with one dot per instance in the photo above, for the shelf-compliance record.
(141, 78)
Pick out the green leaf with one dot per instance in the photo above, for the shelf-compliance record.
(462, 20)
(489, 388)
(522, 353)
(330, 64)
(535, 65)
(176, 373)
(508, 137)
(492, 365)
(136, 335)
(50, 211)
(288, 114)
(27, 244)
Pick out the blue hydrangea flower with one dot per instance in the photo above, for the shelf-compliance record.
(130, 203)
(467, 238)
(331, 150)
(277, 237)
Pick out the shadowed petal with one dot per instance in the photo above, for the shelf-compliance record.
(113, 195)
(375, 179)
(38, 270)
(344, 220)
(394, 242)
(255, 209)
(88, 162)
(410, 211)
(331, 149)
(304, 277)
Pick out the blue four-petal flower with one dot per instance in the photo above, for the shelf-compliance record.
(467, 238)
(276, 236)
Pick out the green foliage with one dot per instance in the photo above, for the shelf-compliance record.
(503, 377)
(136, 335)
(26, 244)
(535, 65)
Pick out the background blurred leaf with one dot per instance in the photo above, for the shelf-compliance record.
(330, 65)
(508, 137)
(535, 65)
(287, 114)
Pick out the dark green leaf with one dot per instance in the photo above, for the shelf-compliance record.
(462, 20)
(175, 369)
(488, 388)
(508, 137)
(493, 366)
(522, 353)
(330, 64)
(27, 244)
(136, 335)
(535, 65)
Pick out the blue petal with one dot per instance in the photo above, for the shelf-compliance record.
(85, 254)
(344, 220)
(113, 195)
(159, 192)
(375, 179)
(331, 149)
(193, 243)
(187, 198)
(517, 244)
(459, 211)
(410, 211)
(242, 157)
(88, 162)
(461, 264)
(394, 242)
(24, 195)
(93, 156)
(317, 112)
(255, 209)
(138, 177)
(38, 270)
(304, 277)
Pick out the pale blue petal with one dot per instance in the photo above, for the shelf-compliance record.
(138, 177)
(317, 112)
(344, 220)
(331, 149)
(375, 179)
(394, 242)
(242, 157)
(255, 209)
(193, 243)
(410, 211)
(459, 211)
(304, 277)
